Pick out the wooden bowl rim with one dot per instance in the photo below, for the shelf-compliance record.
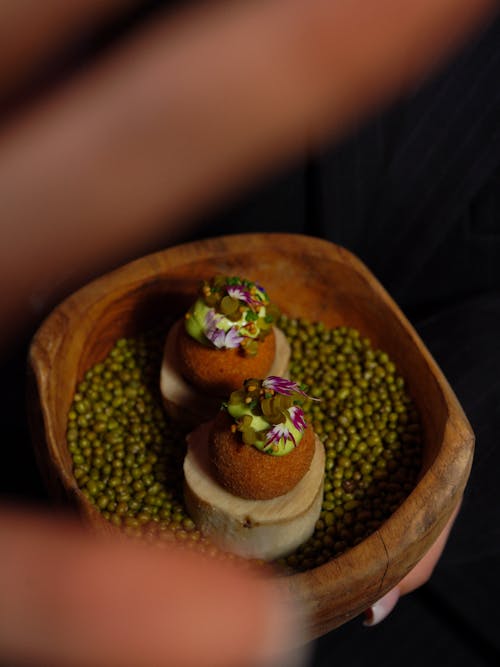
(442, 483)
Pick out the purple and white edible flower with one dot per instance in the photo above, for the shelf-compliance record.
(277, 433)
(239, 293)
(282, 386)
(296, 415)
(282, 431)
(233, 338)
(218, 337)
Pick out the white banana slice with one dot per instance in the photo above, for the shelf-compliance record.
(185, 403)
(264, 529)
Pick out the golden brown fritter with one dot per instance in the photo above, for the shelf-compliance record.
(249, 473)
(222, 371)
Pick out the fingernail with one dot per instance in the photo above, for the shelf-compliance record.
(382, 608)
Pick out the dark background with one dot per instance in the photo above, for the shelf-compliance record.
(415, 193)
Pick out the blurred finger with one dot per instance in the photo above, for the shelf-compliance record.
(190, 109)
(31, 31)
(74, 600)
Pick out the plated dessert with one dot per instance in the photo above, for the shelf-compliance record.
(395, 439)
(227, 336)
(254, 474)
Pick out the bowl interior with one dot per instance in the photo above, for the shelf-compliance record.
(307, 278)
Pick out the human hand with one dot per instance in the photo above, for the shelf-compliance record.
(186, 109)
(417, 577)
(73, 599)
(192, 97)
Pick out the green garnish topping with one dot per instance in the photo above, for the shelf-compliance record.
(231, 312)
(267, 418)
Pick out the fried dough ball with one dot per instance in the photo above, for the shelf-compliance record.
(249, 473)
(222, 371)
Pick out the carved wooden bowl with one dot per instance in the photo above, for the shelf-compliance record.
(306, 277)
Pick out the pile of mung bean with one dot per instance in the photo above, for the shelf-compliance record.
(370, 430)
(127, 454)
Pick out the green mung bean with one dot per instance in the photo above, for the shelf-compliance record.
(127, 454)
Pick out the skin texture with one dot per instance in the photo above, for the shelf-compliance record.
(27, 45)
(417, 577)
(248, 473)
(70, 599)
(222, 371)
(93, 154)
(96, 150)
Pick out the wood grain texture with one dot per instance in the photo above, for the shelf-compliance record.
(306, 277)
(266, 529)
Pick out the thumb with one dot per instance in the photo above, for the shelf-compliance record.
(417, 577)
(72, 599)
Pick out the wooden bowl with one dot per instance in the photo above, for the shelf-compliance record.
(306, 277)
